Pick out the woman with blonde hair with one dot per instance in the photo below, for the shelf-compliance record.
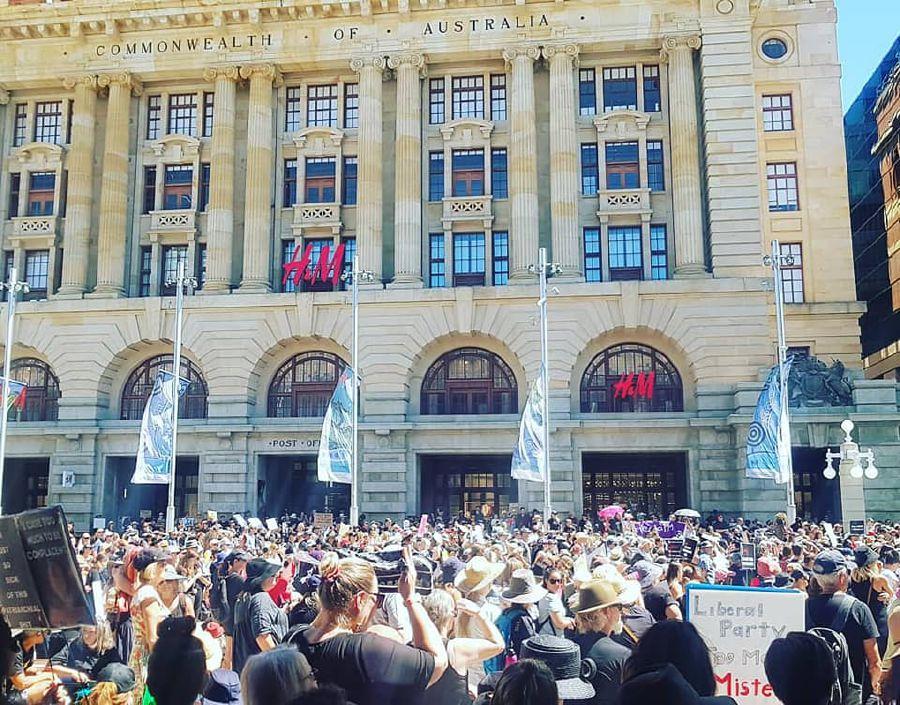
(868, 585)
(276, 677)
(147, 612)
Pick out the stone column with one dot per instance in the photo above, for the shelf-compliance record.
(80, 163)
(565, 187)
(258, 198)
(678, 51)
(369, 163)
(523, 188)
(408, 170)
(111, 237)
(220, 218)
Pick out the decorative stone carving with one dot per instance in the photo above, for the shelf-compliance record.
(213, 73)
(671, 42)
(465, 133)
(318, 141)
(176, 147)
(267, 71)
(357, 63)
(89, 81)
(413, 59)
(127, 80)
(569, 50)
(624, 123)
(510, 54)
(813, 384)
(39, 156)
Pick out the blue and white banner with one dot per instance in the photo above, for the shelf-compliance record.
(529, 457)
(154, 456)
(335, 462)
(768, 439)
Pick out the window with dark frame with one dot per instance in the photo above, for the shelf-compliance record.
(792, 274)
(468, 259)
(319, 180)
(593, 265)
(287, 255)
(436, 101)
(437, 267)
(500, 242)
(590, 174)
(349, 178)
(622, 165)
(154, 116)
(351, 106)
(183, 114)
(321, 105)
(656, 172)
(317, 245)
(149, 203)
(208, 110)
(781, 180)
(469, 381)
(41, 192)
(778, 113)
(9, 260)
(172, 256)
(652, 92)
(499, 174)
(498, 97)
(468, 97)
(289, 190)
(192, 404)
(292, 114)
(587, 92)
(146, 271)
(435, 176)
(15, 190)
(201, 265)
(42, 395)
(48, 122)
(63, 193)
(178, 186)
(625, 256)
(20, 124)
(302, 386)
(204, 187)
(619, 88)
(349, 253)
(659, 252)
(613, 366)
(69, 114)
(37, 272)
(468, 172)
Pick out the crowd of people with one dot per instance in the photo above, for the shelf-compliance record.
(507, 611)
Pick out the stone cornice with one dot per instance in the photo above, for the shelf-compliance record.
(4, 96)
(128, 80)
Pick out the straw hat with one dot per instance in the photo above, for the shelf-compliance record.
(523, 588)
(478, 574)
(596, 595)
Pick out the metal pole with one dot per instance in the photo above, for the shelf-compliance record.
(354, 358)
(12, 294)
(545, 383)
(782, 359)
(176, 371)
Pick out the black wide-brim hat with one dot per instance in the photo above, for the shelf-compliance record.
(563, 658)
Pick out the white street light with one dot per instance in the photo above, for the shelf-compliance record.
(849, 457)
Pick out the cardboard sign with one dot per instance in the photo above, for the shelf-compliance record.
(675, 548)
(748, 556)
(99, 523)
(212, 515)
(322, 520)
(858, 527)
(829, 533)
(254, 523)
(739, 624)
(241, 522)
(272, 524)
(423, 525)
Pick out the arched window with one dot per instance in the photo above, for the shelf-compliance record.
(304, 384)
(191, 405)
(469, 381)
(631, 377)
(42, 393)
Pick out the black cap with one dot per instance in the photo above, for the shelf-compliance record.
(148, 556)
(830, 562)
(119, 674)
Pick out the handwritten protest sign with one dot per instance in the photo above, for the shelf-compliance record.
(323, 520)
(739, 624)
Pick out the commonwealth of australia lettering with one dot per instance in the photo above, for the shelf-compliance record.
(484, 24)
(184, 45)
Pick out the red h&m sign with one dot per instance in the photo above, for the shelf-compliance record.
(633, 386)
(301, 269)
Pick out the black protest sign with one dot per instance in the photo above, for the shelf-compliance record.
(674, 547)
(858, 527)
(689, 550)
(19, 599)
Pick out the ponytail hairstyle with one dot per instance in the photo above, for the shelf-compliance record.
(342, 579)
(176, 672)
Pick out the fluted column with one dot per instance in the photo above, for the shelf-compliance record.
(523, 187)
(258, 195)
(80, 164)
(408, 170)
(678, 51)
(220, 218)
(369, 164)
(564, 166)
(114, 186)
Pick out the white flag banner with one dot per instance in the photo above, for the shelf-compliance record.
(154, 456)
(336, 445)
(529, 457)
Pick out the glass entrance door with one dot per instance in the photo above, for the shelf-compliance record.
(650, 483)
(466, 483)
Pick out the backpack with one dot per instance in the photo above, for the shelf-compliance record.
(218, 592)
(845, 691)
(510, 623)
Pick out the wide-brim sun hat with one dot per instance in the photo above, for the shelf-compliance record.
(596, 595)
(523, 588)
(478, 573)
(563, 658)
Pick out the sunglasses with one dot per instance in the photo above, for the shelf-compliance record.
(554, 581)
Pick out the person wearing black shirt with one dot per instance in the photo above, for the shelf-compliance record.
(657, 598)
(258, 623)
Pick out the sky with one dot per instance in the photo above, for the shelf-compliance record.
(866, 30)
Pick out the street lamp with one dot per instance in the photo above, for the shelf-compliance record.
(849, 457)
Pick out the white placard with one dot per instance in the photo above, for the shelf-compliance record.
(241, 522)
(254, 523)
(272, 524)
(739, 624)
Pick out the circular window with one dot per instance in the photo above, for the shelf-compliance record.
(774, 48)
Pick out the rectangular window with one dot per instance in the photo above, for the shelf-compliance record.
(348, 175)
(48, 122)
(317, 245)
(149, 189)
(587, 92)
(501, 257)
(20, 125)
(319, 181)
(41, 188)
(287, 254)
(781, 180)
(321, 106)
(183, 114)
(656, 173)
(622, 165)
(204, 186)
(652, 94)
(9, 259)
(468, 259)
(15, 188)
(593, 266)
(468, 97)
(437, 267)
(498, 97)
(625, 261)
(778, 113)
(435, 176)
(619, 89)
(172, 256)
(201, 265)
(146, 271)
(154, 116)
(590, 174)
(659, 252)
(292, 110)
(178, 187)
(499, 174)
(349, 254)
(351, 106)
(290, 183)
(436, 98)
(37, 264)
(468, 172)
(208, 106)
(792, 274)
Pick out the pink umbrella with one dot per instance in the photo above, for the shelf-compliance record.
(611, 512)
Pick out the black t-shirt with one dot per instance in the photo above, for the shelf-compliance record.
(821, 611)
(657, 599)
(609, 659)
(81, 658)
(372, 669)
(255, 614)
(637, 621)
(234, 585)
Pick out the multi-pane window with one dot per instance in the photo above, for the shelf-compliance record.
(590, 176)
(499, 174)
(292, 113)
(289, 196)
(659, 252)
(656, 173)
(146, 271)
(501, 257)
(319, 182)
(20, 125)
(587, 92)
(149, 189)
(37, 263)
(204, 187)
(349, 255)
(436, 98)
(437, 267)
(468, 259)
(781, 179)
(622, 165)
(778, 113)
(287, 254)
(15, 188)
(316, 248)
(593, 266)
(172, 257)
(619, 89)
(183, 114)
(498, 97)
(792, 274)
(652, 93)
(41, 188)
(435, 176)
(351, 106)
(349, 177)
(178, 187)
(208, 106)
(9, 260)
(321, 106)
(48, 122)
(468, 172)
(154, 116)
(625, 261)
(201, 265)
(468, 97)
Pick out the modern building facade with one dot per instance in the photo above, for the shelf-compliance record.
(654, 148)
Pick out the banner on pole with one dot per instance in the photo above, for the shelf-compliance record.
(154, 456)
(336, 445)
(768, 440)
(16, 396)
(529, 456)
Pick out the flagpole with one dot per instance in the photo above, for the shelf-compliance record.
(355, 277)
(12, 288)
